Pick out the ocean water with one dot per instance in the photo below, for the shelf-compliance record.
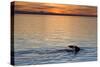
(47, 53)
(39, 39)
(53, 55)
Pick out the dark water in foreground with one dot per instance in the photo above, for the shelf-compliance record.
(52, 55)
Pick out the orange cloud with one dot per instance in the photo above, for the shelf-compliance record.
(55, 8)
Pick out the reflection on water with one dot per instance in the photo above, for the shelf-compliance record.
(52, 30)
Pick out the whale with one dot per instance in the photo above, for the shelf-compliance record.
(74, 49)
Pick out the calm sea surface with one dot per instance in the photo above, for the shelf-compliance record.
(38, 37)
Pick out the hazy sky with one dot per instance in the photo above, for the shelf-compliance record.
(55, 8)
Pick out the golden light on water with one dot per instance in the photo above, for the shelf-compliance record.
(55, 27)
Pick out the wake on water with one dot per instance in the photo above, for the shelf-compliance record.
(50, 55)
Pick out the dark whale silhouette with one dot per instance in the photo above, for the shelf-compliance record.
(74, 49)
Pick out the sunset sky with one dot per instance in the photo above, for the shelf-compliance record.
(55, 8)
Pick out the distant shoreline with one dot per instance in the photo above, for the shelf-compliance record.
(44, 13)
